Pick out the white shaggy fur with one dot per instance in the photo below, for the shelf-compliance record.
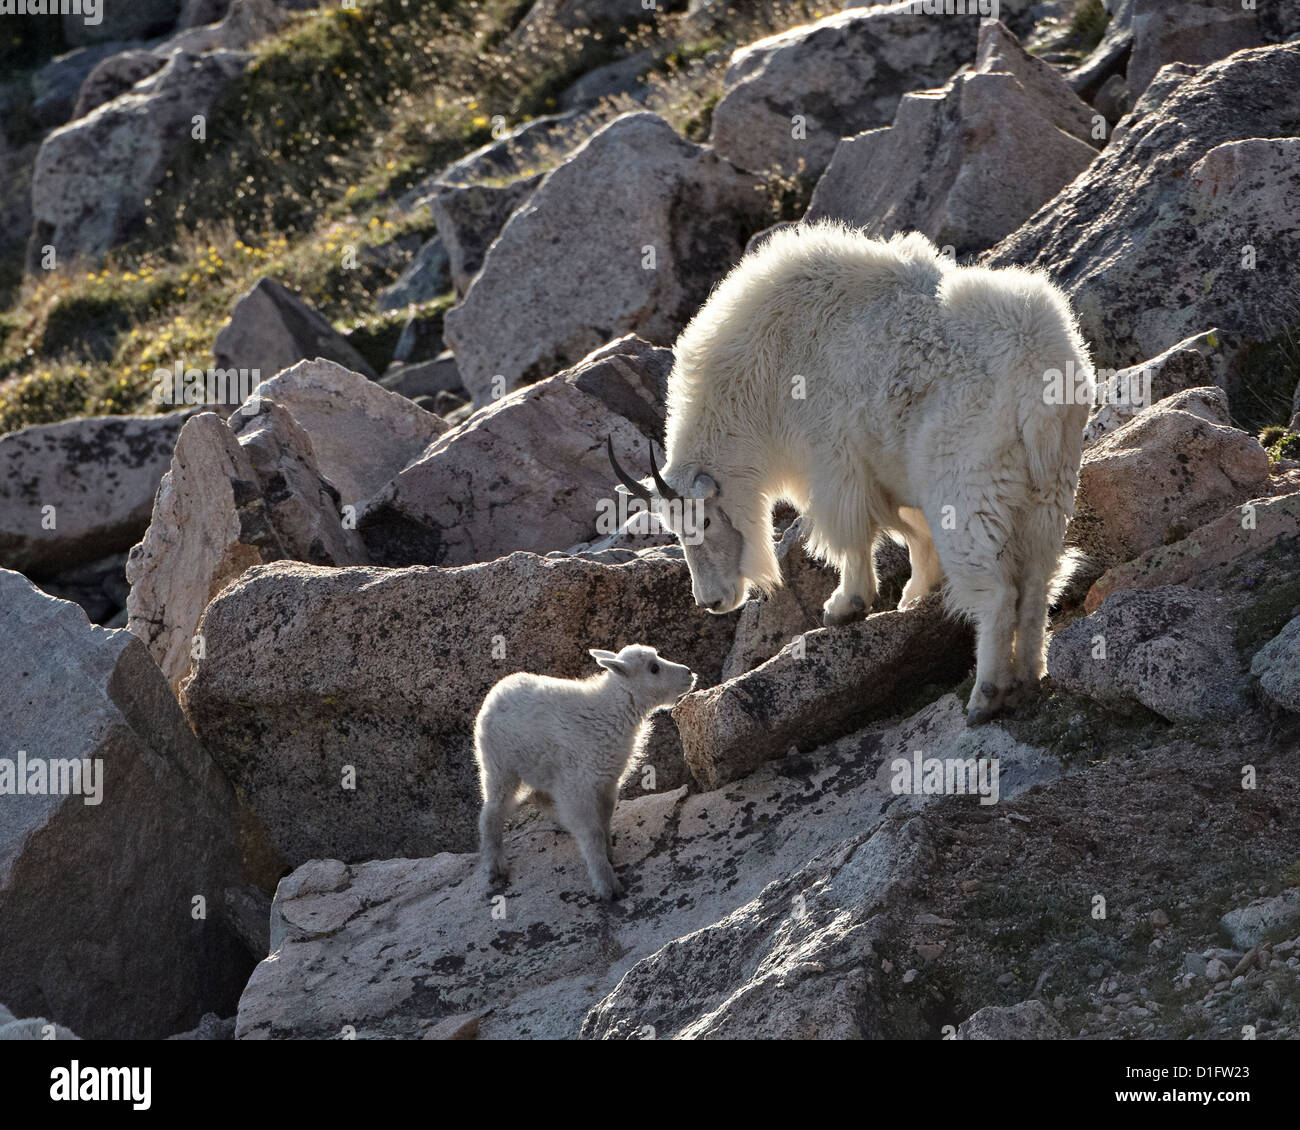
(923, 417)
(571, 741)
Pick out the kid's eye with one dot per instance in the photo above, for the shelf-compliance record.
(706, 522)
(654, 668)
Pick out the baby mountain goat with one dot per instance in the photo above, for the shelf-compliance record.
(570, 741)
(882, 389)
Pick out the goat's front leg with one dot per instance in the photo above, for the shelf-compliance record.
(581, 814)
(994, 678)
(856, 593)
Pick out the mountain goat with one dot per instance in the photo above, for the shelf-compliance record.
(570, 741)
(882, 389)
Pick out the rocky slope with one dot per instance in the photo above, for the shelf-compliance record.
(266, 614)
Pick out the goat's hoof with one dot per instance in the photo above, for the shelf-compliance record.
(1022, 693)
(834, 614)
(609, 891)
(985, 702)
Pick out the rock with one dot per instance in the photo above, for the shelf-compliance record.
(462, 1027)
(1167, 80)
(1153, 250)
(381, 683)
(1028, 1020)
(529, 472)
(968, 163)
(421, 337)
(271, 329)
(99, 587)
(739, 859)
(246, 22)
(548, 18)
(56, 84)
(1171, 468)
(121, 19)
(1189, 32)
(427, 278)
(110, 951)
(998, 52)
(651, 194)
(1171, 649)
(1114, 99)
(303, 508)
(16, 166)
(1277, 667)
(94, 175)
(99, 474)
(1244, 546)
(196, 13)
(838, 76)
(35, 1028)
(361, 434)
(663, 755)
(210, 1027)
(469, 219)
(1249, 925)
(210, 522)
(621, 77)
(821, 686)
(517, 154)
(424, 378)
(1110, 56)
(115, 74)
(1196, 362)
(797, 962)
(768, 623)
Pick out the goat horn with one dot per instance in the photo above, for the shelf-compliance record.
(665, 491)
(634, 487)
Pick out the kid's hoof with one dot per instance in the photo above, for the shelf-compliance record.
(836, 613)
(610, 891)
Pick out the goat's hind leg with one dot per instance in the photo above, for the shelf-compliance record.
(927, 572)
(500, 793)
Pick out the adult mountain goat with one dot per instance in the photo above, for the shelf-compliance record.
(882, 389)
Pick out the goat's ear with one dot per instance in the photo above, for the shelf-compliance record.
(705, 486)
(609, 660)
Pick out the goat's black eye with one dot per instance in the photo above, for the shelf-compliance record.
(707, 521)
(654, 668)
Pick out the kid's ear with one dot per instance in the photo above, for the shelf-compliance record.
(609, 660)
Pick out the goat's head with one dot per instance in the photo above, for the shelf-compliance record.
(653, 680)
(713, 546)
